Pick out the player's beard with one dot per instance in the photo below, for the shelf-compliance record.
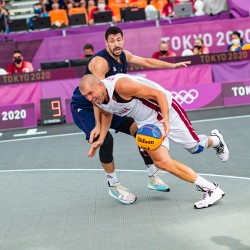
(116, 52)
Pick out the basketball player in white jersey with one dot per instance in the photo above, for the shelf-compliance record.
(147, 102)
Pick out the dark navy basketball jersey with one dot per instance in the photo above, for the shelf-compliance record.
(114, 66)
(80, 101)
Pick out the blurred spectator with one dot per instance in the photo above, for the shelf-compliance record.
(69, 7)
(164, 52)
(149, 7)
(38, 11)
(77, 3)
(168, 10)
(214, 7)
(101, 6)
(88, 50)
(90, 4)
(236, 42)
(199, 47)
(50, 4)
(3, 72)
(199, 8)
(151, 12)
(19, 65)
(58, 17)
(4, 18)
(2, 3)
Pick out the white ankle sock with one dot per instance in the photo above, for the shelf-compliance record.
(203, 183)
(216, 141)
(151, 169)
(112, 179)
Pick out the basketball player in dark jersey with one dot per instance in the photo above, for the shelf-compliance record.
(110, 61)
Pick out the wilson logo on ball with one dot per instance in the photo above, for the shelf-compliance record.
(149, 137)
(143, 140)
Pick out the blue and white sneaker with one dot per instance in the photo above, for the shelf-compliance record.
(222, 149)
(156, 183)
(121, 194)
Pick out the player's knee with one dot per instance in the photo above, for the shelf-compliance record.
(200, 146)
(106, 150)
(147, 159)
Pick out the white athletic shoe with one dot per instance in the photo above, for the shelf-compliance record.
(210, 197)
(222, 149)
(121, 194)
(156, 183)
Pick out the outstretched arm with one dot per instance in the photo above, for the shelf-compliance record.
(96, 131)
(105, 122)
(153, 63)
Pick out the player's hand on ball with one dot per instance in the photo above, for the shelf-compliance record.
(166, 126)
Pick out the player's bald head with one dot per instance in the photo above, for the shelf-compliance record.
(88, 81)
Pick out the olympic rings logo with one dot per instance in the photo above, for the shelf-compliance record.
(184, 96)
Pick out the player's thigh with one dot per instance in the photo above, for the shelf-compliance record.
(122, 124)
(84, 119)
(181, 130)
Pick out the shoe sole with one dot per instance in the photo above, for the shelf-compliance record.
(122, 202)
(209, 205)
(159, 189)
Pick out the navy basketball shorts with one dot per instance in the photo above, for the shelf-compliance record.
(85, 120)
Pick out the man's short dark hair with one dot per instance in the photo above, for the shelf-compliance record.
(17, 51)
(113, 31)
(199, 38)
(88, 46)
(236, 33)
(35, 4)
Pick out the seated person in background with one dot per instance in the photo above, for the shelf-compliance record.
(69, 7)
(61, 4)
(4, 18)
(77, 3)
(88, 50)
(199, 47)
(58, 17)
(214, 7)
(168, 10)
(38, 11)
(101, 6)
(164, 52)
(236, 42)
(149, 7)
(199, 8)
(19, 65)
(89, 5)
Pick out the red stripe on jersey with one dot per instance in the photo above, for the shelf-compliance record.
(183, 115)
(153, 105)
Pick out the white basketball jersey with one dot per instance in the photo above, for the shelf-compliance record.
(143, 111)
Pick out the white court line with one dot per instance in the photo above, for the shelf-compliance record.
(42, 137)
(119, 170)
(30, 132)
(81, 133)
